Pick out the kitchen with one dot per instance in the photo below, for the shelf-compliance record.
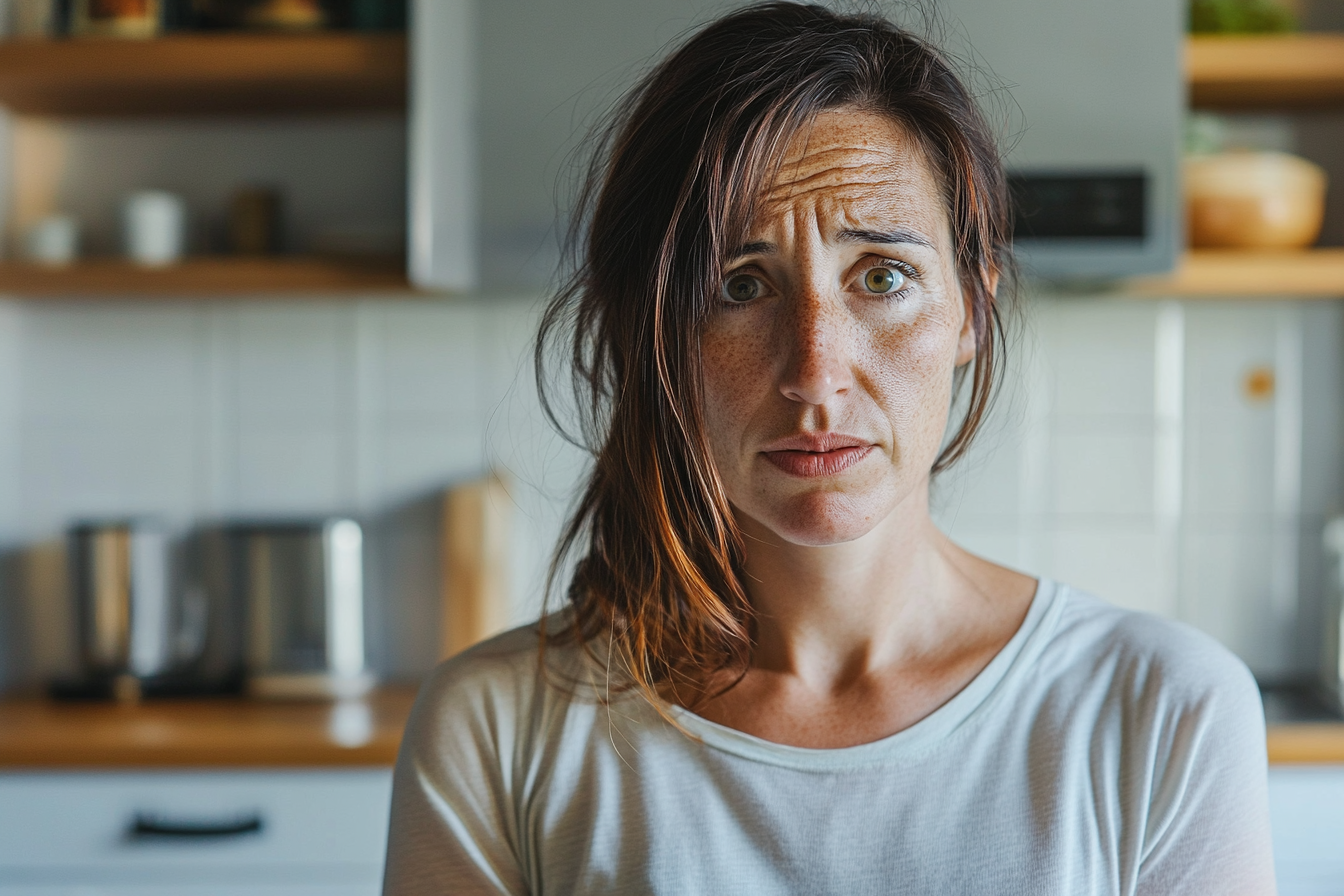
(1172, 445)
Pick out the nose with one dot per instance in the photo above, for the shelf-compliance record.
(816, 351)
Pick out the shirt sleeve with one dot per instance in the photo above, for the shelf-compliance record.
(453, 827)
(1208, 822)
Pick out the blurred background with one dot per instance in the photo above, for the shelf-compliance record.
(270, 445)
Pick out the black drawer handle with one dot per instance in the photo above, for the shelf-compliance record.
(149, 825)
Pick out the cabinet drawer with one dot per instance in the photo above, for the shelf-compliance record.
(1306, 809)
(186, 830)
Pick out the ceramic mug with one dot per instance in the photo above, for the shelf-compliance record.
(155, 227)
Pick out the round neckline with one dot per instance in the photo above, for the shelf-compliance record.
(1015, 656)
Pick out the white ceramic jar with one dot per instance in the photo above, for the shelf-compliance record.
(155, 225)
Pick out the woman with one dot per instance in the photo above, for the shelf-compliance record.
(773, 673)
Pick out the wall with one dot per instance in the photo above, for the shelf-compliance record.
(537, 106)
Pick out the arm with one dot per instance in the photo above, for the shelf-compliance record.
(452, 829)
(1208, 824)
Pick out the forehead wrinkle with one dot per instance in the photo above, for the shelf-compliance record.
(864, 179)
(867, 167)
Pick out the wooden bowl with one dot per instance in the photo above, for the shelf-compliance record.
(1253, 200)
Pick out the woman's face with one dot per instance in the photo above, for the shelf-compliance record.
(829, 360)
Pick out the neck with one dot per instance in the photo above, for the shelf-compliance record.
(832, 614)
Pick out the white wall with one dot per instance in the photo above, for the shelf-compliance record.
(538, 104)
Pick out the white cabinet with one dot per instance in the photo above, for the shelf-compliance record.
(1306, 807)
(197, 833)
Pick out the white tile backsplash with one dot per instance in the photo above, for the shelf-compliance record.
(99, 469)
(209, 410)
(1123, 455)
(1103, 471)
(435, 373)
(1227, 590)
(1122, 563)
(419, 457)
(114, 364)
(293, 364)
(1101, 356)
(292, 469)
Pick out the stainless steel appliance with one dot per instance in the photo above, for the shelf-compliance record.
(302, 584)
(119, 573)
(146, 624)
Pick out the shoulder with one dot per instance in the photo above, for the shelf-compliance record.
(1174, 721)
(1158, 665)
(491, 693)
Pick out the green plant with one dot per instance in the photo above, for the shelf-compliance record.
(1239, 17)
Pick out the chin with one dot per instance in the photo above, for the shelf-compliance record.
(821, 518)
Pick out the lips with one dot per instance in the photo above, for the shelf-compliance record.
(817, 454)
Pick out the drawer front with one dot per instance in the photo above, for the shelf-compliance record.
(188, 830)
(1306, 808)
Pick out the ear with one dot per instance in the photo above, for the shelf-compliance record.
(966, 339)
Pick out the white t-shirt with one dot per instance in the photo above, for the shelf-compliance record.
(1102, 751)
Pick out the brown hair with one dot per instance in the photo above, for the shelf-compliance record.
(672, 186)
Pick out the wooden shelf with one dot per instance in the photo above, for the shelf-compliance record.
(1292, 70)
(204, 74)
(37, 733)
(203, 276)
(1314, 273)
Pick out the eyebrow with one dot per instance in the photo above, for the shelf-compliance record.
(886, 238)
(877, 237)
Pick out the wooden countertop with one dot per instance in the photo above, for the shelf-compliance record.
(1306, 742)
(40, 734)
(37, 733)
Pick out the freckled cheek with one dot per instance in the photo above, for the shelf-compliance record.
(911, 379)
(733, 369)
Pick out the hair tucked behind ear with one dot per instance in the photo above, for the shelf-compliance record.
(657, 580)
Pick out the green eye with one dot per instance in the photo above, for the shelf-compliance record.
(741, 288)
(883, 280)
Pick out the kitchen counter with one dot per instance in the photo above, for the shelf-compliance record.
(37, 733)
(1302, 728)
(1306, 742)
